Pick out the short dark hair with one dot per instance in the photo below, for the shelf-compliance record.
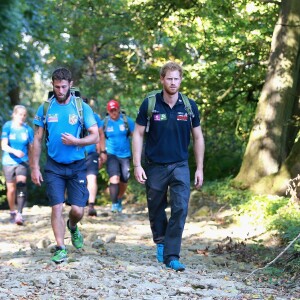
(62, 74)
(170, 66)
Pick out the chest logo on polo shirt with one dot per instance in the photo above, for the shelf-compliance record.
(182, 116)
(52, 118)
(73, 119)
(160, 117)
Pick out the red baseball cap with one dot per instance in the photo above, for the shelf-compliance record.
(112, 104)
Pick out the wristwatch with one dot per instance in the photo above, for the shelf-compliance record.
(103, 151)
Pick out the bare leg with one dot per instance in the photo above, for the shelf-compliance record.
(11, 195)
(58, 224)
(92, 187)
(75, 215)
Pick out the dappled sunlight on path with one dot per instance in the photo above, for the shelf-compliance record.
(118, 261)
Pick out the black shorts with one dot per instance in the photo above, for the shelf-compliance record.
(92, 164)
(118, 166)
(10, 172)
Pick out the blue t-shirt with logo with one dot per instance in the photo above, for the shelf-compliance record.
(170, 130)
(92, 148)
(64, 118)
(19, 137)
(117, 141)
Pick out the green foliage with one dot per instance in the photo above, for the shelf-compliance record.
(277, 213)
(115, 49)
(287, 221)
(226, 194)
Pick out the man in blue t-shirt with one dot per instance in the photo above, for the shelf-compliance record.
(65, 169)
(166, 162)
(117, 140)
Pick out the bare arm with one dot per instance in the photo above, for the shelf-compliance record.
(5, 147)
(101, 147)
(199, 148)
(92, 138)
(36, 175)
(30, 154)
(137, 148)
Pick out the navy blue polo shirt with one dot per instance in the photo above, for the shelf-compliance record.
(169, 135)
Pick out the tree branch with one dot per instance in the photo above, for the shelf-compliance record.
(276, 258)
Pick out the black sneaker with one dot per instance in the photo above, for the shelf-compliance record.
(92, 211)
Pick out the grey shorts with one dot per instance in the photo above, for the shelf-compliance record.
(10, 172)
(118, 166)
(92, 163)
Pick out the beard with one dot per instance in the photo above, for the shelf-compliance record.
(171, 91)
(62, 98)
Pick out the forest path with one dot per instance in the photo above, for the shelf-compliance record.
(118, 261)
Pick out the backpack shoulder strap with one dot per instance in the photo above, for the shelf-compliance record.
(45, 110)
(187, 105)
(79, 108)
(105, 124)
(125, 119)
(151, 96)
(46, 106)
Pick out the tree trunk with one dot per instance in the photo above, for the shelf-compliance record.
(278, 183)
(14, 95)
(272, 135)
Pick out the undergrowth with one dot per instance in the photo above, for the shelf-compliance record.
(278, 214)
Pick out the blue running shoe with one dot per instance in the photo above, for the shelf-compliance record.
(115, 207)
(160, 252)
(176, 265)
(120, 207)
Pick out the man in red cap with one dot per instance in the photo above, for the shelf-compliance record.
(118, 129)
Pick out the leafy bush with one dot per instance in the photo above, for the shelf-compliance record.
(287, 221)
(277, 213)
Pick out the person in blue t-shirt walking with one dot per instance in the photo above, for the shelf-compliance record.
(16, 144)
(166, 162)
(118, 131)
(65, 169)
(95, 158)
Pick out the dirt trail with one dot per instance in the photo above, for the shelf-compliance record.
(118, 261)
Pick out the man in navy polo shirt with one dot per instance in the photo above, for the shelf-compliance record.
(166, 162)
(65, 168)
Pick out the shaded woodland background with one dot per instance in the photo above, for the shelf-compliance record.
(241, 62)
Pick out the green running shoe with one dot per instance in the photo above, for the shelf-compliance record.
(60, 255)
(76, 237)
